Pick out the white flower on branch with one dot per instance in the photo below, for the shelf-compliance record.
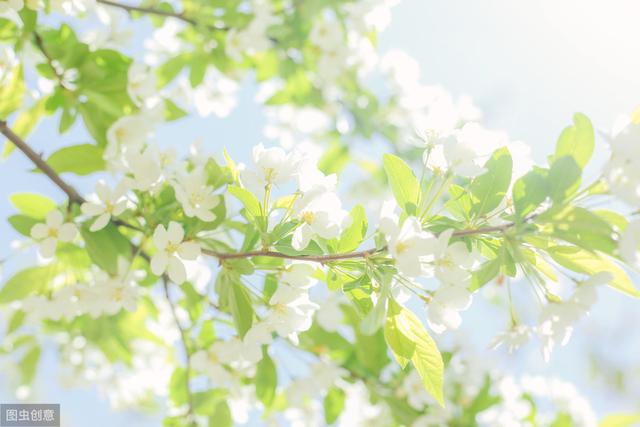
(319, 215)
(171, 249)
(141, 84)
(558, 319)
(513, 338)
(8, 60)
(445, 307)
(110, 203)
(291, 311)
(452, 262)
(195, 196)
(273, 167)
(409, 245)
(629, 244)
(622, 172)
(215, 95)
(52, 231)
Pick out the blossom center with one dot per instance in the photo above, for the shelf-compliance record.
(308, 217)
(172, 248)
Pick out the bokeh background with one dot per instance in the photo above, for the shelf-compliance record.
(529, 66)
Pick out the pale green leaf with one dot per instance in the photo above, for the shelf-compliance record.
(82, 159)
(590, 263)
(489, 189)
(33, 205)
(409, 340)
(404, 183)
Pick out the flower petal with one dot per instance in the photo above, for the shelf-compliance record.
(189, 250)
(177, 272)
(39, 231)
(101, 222)
(159, 262)
(67, 232)
(175, 232)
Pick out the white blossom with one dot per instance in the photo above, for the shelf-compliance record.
(512, 338)
(110, 203)
(141, 83)
(622, 172)
(445, 307)
(629, 244)
(273, 166)
(215, 95)
(171, 249)
(8, 61)
(409, 245)
(195, 196)
(52, 231)
(319, 215)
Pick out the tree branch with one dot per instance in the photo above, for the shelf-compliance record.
(323, 259)
(149, 11)
(185, 345)
(272, 254)
(74, 196)
(40, 45)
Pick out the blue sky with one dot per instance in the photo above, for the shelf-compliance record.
(528, 65)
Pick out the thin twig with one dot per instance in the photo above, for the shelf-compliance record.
(149, 11)
(185, 345)
(322, 259)
(272, 254)
(59, 76)
(74, 196)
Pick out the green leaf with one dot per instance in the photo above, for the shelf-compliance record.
(27, 282)
(582, 228)
(487, 272)
(355, 233)
(333, 404)
(16, 320)
(576, 141)
(11, 93)
(204, 402)
(564, 178)
(235, 297)
(529, 191)
(33, 205)
(106, 246)
(590, 263)
(24, 124)
(22, 224)
(178, 386)
(82, 159)
(266, 380)
(620, 420)
(248, 200)
(489, 189)
(404, 183)
(409, 340)
(29, 365)
(221, 416)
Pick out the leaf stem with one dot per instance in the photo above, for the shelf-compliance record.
(185, 345)
(149, 11)
(74, 196)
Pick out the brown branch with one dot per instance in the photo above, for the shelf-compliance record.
(322, 259)
(313, 258)
(185, 344)
(40, 45)
(149, 11)
(74, 196)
